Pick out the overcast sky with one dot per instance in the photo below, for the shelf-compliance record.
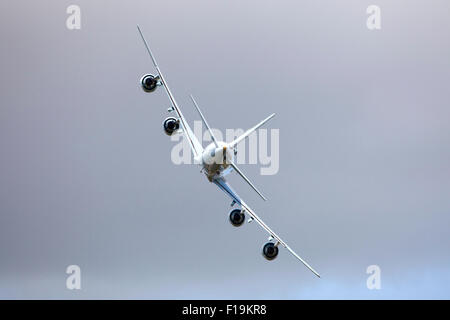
(86, 176)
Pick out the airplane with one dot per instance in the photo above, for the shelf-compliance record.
(217, 159)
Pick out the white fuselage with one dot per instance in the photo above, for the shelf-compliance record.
(215, 160)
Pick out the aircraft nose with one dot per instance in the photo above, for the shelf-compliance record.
(224, 151)
(227, 155)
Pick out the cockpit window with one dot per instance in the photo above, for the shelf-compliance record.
(213, 153)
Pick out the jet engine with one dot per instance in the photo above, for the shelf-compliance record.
(270, 251)
(237, 217)
(171, 125)
(149, 82)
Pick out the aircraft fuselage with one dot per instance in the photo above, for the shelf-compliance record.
(215, 160)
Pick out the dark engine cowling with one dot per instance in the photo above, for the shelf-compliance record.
(270, 251)
(237, 217)
(171, 125)
(149, 83)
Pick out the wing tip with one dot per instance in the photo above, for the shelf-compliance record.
(314, 271)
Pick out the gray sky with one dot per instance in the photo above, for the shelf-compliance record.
(86, 176)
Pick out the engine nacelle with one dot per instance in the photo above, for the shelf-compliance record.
(270, 251)
(171, 125)
(237, 217)
(149, 82)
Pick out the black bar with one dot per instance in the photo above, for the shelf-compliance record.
(223, 309)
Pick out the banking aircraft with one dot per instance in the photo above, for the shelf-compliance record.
(217, 160)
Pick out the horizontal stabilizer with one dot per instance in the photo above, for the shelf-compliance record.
(204, 121)
(247, 180)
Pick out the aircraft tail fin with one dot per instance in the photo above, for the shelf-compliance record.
(249, 131)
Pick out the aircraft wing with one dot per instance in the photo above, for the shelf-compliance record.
(195, 145)
(222, 184)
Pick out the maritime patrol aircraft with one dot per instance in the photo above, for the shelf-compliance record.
(217, 159)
